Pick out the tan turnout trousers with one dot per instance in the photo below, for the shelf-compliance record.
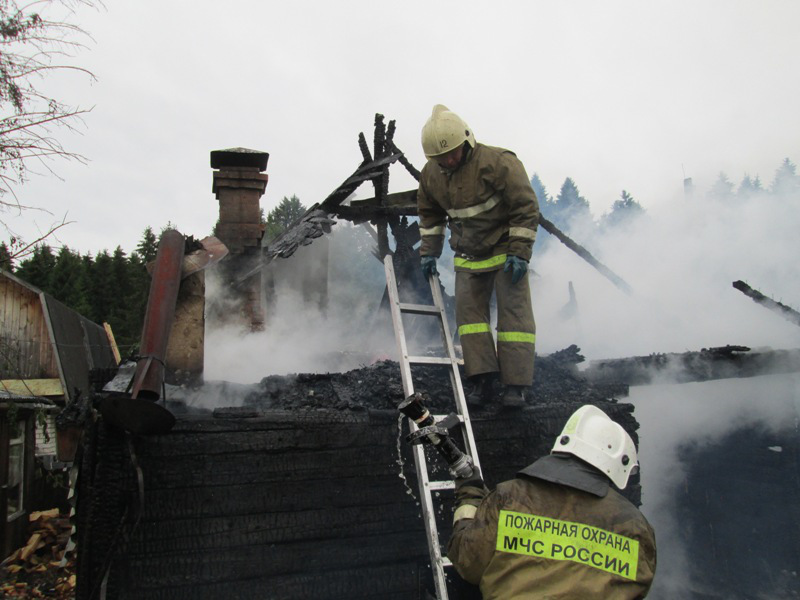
(516, 328)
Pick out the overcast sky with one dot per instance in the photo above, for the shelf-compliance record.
(616, 94)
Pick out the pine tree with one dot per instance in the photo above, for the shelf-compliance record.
(36, 269)
(101, 288)
(722, 188)
(283, 215)
(6, 262)
(570, 209)
(749, 187)
(786, 182)
(148, 246)
(68, 280)
(624, 211)
(539, 189)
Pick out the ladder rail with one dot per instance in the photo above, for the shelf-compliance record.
(426, 500)
(455, 376)
(426, 486)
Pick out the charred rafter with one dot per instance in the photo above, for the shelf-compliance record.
(550, 228)
(786, 312)
(709, 363)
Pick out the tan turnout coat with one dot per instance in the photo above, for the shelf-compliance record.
(488, 203)
(535, 539)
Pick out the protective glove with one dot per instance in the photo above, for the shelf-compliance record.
(517, 266)
(428, 264)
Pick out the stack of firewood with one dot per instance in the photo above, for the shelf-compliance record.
(40, 568)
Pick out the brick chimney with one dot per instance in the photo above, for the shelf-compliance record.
(239, 183)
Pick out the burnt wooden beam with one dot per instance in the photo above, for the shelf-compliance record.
(405, 162)
(723, 362)
(550, 228)
(786, 312)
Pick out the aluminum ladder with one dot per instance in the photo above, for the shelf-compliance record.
(426, 487)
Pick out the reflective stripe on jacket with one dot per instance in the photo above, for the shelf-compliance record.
(489, 205)
(535, 539)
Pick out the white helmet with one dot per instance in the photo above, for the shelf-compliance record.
(592, 436)
(444, 131)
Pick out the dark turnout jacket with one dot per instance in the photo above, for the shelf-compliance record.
(533, 538)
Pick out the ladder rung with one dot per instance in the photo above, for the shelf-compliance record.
(442, 485)
(430, 360)
(446, 562)
(438, 418)
(419, 309)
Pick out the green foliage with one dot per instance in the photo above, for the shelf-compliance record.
(37, 268)
(148, 246)
(283, 215)
(6, 260)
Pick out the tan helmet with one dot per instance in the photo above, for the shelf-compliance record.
(444, 131)
(591, 435)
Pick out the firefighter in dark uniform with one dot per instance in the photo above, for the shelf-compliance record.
(558, 530)
(484, 196)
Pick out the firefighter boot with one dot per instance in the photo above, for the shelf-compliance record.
(479, 390)
(514, 396)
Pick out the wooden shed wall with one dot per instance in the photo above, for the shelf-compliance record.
(25, 348)
(284, 506)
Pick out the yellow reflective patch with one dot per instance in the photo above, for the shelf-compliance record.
(472, 211)
(522, 232)
(479, 264)
(438, 230)
(465, 511)
(516, 336)
(473, 328)
(553, 539)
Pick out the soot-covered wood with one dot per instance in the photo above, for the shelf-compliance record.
(299, 495)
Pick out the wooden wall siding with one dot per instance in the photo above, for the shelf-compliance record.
(284, 506)
(25, 348)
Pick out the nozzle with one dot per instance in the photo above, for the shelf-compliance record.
(414, 409)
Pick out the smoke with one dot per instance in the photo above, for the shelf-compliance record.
(304, 332)
(680, 259)
(672, 417)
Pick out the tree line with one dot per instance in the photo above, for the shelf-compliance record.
(570, 210)
(112, 287)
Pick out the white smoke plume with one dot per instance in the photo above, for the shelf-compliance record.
(680, 260)
(672, 416)
(303, 334)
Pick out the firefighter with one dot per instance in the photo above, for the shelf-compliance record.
(559, 529)
(484, 196)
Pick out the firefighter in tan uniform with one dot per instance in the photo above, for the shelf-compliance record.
(558, 530)
(484, 196)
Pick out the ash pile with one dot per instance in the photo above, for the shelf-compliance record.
(379, 387)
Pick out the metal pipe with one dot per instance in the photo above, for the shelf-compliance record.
(149, 377)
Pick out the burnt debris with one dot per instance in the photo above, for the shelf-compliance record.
(306, 490)
(786, 312)
(704, 365)
(379, 387)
